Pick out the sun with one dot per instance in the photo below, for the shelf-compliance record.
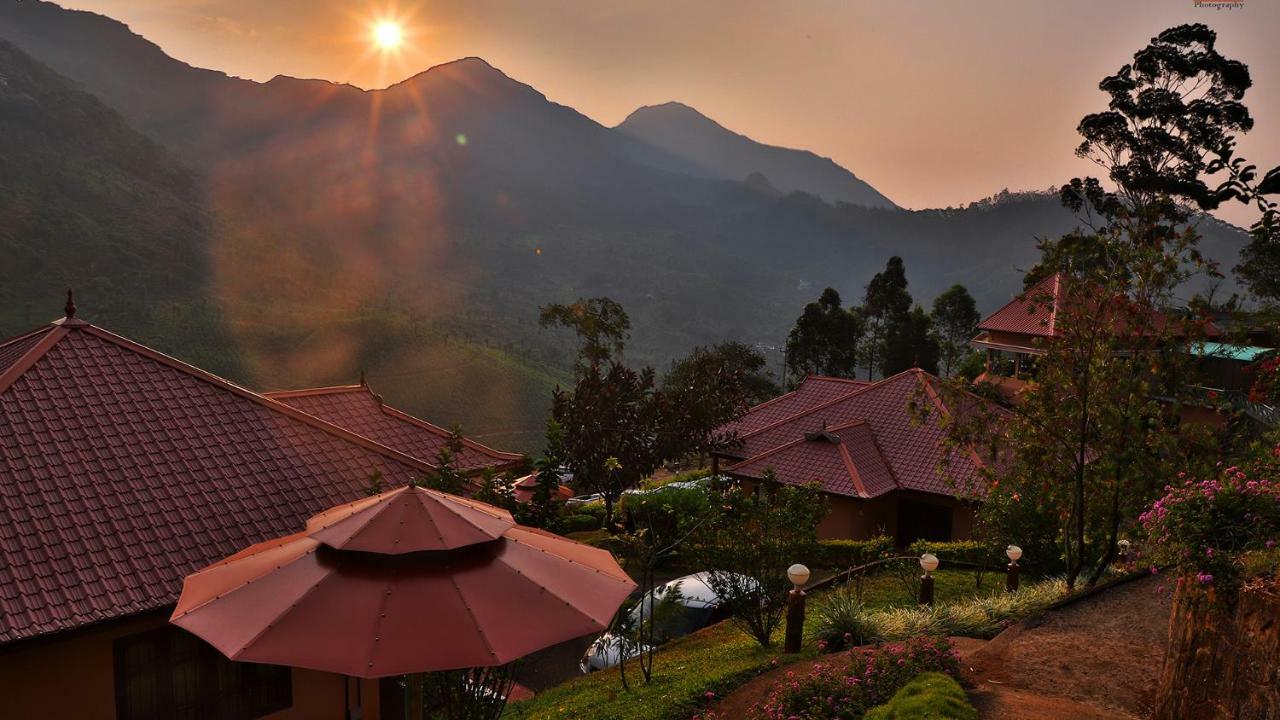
(388, 35)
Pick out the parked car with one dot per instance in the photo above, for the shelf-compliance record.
(580, 500)
(699, 606)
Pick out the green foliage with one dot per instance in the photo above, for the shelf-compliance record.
(842, 554)
(615, 426)
(955, 319)
(496, 491)
(749, 542)
(602, 327)
(871, 676)
(886, 307)
(1209, 525)
(735, 361)
(447, 477)
(843, 617)
(667, 511)
(711, 387)
(930, 696)
(842, 621)
(983, 616)
(1101, 423)
(980, 555)
(715, 660)
(971, 366)
(579, 522)
(912, 343)
(825, 339)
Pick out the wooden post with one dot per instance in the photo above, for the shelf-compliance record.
(926, 590)
(795, 621)
(1011, 579)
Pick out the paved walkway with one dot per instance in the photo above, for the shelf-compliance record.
(1097, 658)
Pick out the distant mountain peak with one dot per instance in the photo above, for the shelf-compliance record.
(681, 130)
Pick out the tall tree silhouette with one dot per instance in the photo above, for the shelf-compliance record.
(955, 317)
(885, 307)
(825, 339)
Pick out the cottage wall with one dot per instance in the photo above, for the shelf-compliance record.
(73, 678)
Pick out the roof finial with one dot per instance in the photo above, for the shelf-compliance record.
(70, 308)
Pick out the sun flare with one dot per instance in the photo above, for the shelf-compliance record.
(388, 35)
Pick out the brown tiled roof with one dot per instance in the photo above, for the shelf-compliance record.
(358, 409)
(813, 390)
(845, 459)
(122, 470)
(912, 447)
(1031, 313)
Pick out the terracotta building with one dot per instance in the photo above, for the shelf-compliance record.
(121, 471)
(876, 448)
(1016, 336)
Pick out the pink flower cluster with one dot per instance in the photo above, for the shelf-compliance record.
(846, 690)
(1206, 525)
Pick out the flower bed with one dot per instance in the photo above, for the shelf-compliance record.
(871, 676)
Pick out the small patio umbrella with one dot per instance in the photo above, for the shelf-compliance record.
(408, 581)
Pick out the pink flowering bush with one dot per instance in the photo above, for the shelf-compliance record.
(846, 690)
(1208, 525)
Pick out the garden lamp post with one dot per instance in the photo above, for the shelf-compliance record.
(798, 575)
(928, 563)
(1011, 579)
(1124, 550)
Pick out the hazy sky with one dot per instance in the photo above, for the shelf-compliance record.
(934, 102)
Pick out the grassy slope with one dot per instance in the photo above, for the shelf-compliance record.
(717, 659)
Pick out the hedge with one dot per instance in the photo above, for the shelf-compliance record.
(969, 551)
(845, 554)
(930, 696)
(579, 522)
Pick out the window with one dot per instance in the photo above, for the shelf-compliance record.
(170, 674)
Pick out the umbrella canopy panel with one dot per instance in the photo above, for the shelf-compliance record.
(409, 519)
(298, 601)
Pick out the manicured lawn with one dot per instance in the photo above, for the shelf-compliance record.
(717, 659)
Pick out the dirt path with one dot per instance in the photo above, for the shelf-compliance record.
(1097, 658)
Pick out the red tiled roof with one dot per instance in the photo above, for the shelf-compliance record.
(912, 448)
(358, 409)
(13, 350)
(845, 459)
(813, 390)
(1035, 313)
(122, 470)
(1031, 313)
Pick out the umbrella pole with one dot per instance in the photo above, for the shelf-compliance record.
(413, 696)
(347, 711)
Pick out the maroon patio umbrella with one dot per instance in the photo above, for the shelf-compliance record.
(409, 581)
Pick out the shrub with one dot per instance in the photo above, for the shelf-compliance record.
(749, 542)
(852, 553)
(842, 620)
(977, 555)
(985, 616)
(579, 522)
(930, 696)
(847, 690)
(664, 511)
(1209, 525)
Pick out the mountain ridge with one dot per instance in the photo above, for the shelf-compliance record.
(468, 201)
(720, 152)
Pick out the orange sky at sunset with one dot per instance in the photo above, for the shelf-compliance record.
(933, 103)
